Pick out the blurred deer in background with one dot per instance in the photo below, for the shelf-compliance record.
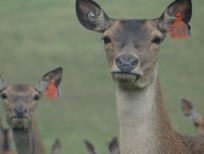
(56, 147)
(20, 101)
(190, 112)
(113, 147)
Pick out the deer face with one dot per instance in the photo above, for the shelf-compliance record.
(132, 46)
(132, 49)
(20, 100)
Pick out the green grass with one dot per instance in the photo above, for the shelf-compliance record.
(37, 36)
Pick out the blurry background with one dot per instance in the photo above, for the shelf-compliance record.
(39, 35)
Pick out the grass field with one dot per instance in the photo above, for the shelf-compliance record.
(37, 36)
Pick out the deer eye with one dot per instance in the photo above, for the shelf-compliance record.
(157, 40)
(106, 40)
(36, 97)
(4, 96)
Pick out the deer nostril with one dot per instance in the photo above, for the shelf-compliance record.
(20, 112)
(118, 61)
(126, 62)
(25, 111)
(134, 62)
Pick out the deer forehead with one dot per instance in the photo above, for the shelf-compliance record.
(137, 31)
(20, 90)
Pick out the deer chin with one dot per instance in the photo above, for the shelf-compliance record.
(125, 77)
(19, 123)
(126, 80)
(131, 81)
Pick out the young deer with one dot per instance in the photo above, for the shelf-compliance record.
(113, 147)
(132, 49)
(19, 102)
(5, 140)
(190, 112)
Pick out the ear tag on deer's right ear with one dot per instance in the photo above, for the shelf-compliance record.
(91, 14)
(179, 29)
(52, 90)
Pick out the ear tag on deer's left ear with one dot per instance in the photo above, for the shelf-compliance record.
(179, 29)
(52, 90)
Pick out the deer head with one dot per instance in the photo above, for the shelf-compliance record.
(20, 99)
(132, 46)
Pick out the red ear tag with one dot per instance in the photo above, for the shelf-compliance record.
(179, 29)
(52, 91)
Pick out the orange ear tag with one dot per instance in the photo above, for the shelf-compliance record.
(52, 91)
(179, 29)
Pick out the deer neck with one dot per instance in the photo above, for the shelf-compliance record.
(2, 142)
(6, 145)
(28, 141)
(144, 124)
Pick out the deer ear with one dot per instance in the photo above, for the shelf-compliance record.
(113, 146)
(92, 16)
(54, 75)
(184, 7)
(188, 108)
(56, 147)
(90, 147)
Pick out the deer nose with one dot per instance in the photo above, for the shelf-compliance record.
(126, 62)
(20, 112)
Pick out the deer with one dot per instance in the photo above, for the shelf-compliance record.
(20, 101)
(191, 113)
(56, 147)
(132, 50)
(113, 147)
(5, 140)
